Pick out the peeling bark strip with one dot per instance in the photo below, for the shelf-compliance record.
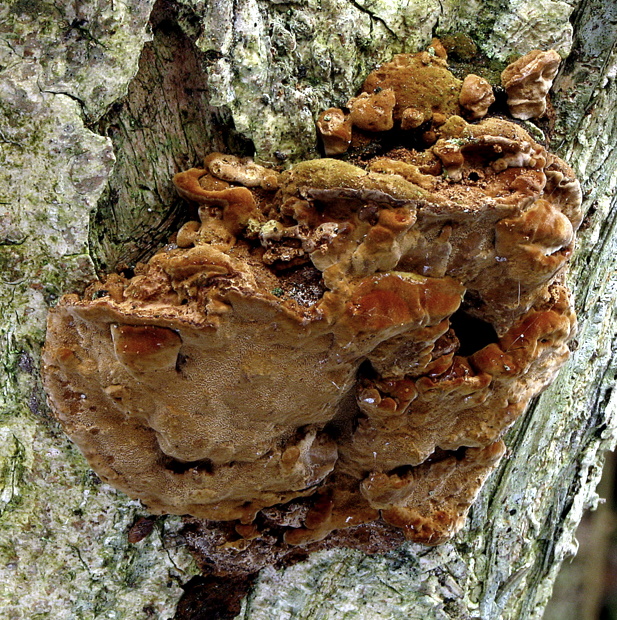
(54, 169)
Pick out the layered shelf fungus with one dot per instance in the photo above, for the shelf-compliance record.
(331, 354)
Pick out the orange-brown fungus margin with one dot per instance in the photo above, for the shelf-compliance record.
(332, 352)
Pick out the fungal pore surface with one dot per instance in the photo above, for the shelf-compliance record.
(331, 353)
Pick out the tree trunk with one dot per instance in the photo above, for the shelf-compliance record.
(100, 103)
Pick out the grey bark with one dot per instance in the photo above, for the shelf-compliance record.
(89, 139)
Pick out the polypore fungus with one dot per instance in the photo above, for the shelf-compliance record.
(420, 82)
(334, 127)
(334, 352)
(527, 82)
(476, 96)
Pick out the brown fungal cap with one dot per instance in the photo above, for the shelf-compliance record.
(527, 82)
(420, 82)
(334, 128)
(476, 96)
(335, 350)
(373, 112)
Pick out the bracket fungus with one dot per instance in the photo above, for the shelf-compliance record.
(476, 96)
(332, 353)
(527, 82)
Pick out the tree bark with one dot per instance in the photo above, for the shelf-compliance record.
(100, 103)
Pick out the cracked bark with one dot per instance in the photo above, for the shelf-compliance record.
(89, 139)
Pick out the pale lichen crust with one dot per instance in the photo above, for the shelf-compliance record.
(338, 345)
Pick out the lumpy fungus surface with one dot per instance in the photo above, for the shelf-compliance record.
(332, 352)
